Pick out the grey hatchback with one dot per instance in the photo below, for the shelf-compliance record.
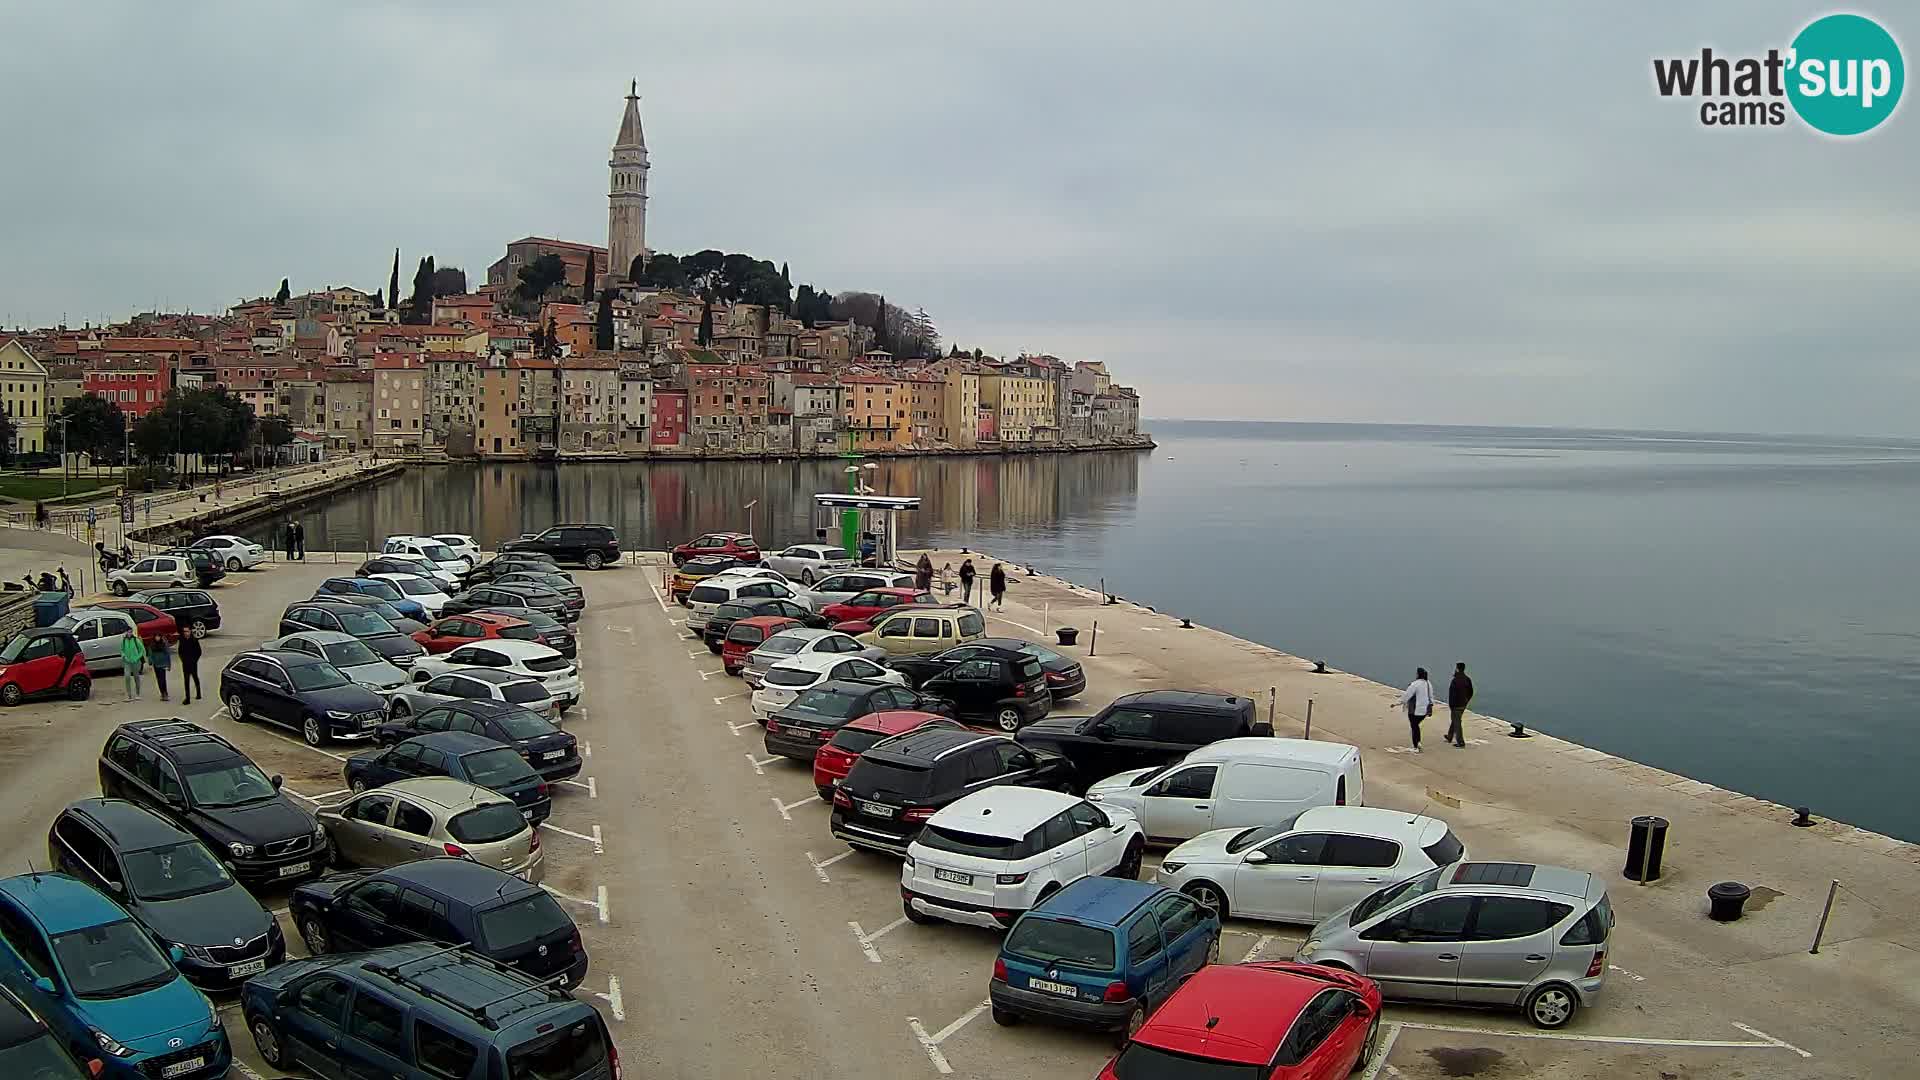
(1478, 933)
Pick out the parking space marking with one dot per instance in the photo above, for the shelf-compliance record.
(594, 839)
(593, 790)
(1035, 631)
(820, 865)
(586, 748)
(742, 726)
(1624, 973)
(246, 1070)
(1259, 947)
(1764, 1042)
(615, 1004)
(599, 906)
(784, 807)
(1381, 1053)
(759, 764)
(724, 698)
(264, 730)
(931, 1043)
(314, 799)
(619, 629)
(866, 940)
(657, 598)
(1758, 1034)
(695, 654)
(705, 675)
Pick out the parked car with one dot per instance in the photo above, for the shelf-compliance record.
(694, 571)
(1102, 953)
(798, 729)
(236, 553)
(846, 584)
(714, 633)
(417, 565)
(354, 658)
(424, 591)
(512, 562)
(453, 631)
(430, 817)
(480, 684)
(553, 753)
(1235, 783)
(395, 647)
(172, 884)
(835, 758)
(748, 634)
(894, 788)
(189, 775)
(592, 546)
(1329, 858)
(1142, 730)
(29, 1049)
(734, 545)
(149, 622)
(808, 563)
(405, 624)
(301, 691)
(990, 685)
(379, 590)
(193, 610)
(207, 567)
(524, 659)
(1515, 935)
(923, 631)
(1065, 678)
(471, 1018)
(867, 606)
(800, 641)
(39, 663)
(513, 598)
(427, 548)
(727, 586)
(98, 630)
(785, 680)
(1272, 1020)
(551, 580)
(461, 755)
(98, 980)
(460, 544)
(991, 856)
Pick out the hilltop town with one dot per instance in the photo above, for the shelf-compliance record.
(572, 351)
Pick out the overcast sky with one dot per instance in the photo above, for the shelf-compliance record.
(1375, 212)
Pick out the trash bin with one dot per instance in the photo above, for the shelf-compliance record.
(1726, 900)
(49, 608)
(1646, 843)
(1068, 634)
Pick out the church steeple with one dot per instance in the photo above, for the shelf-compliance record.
(627, 191)
(630, 133)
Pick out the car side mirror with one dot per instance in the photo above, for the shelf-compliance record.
(276, 779)
(176, 954)
(45, 986)
(1256, 856)
(117, 886)
(1361, 1008)
(1103, 731)
(178, 802)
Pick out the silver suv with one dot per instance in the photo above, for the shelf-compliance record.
(1478, 933)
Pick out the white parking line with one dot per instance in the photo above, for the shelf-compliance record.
(695, 654)
(705, 675)
(243, 1069)
(866, 940)
(599, 906)
(1765, 1041)
(931, 1043)
(742, 726)
(586, 748)
(1380, 1054)
(657, 598)
(594, 839)
(759, 764)
(1758, 1034)
(314, 799)
(724, 698)
(601, 892)
(620, 629)
(593, 791)
(820, 865)
(264, 730)
(1625, 974)
(1258, 948)
(784, 807)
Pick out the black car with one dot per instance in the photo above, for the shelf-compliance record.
(556, 580)
(1065, 677)
(1145, 729)
(172, 884)
(592, 546)
(517, 562)
(553, 753)
(462, 755)
(29, 1050)
(193, 609)
(988, 683)
(399, 620)
(207, 567)
(804, 724)
(302, 692)
(512, 599)
(899, 783)
(449, 900)
(198, 780)
(724, 616)
(369, 626)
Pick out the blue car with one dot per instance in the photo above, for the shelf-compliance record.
(103, 985)
(1101, 953)
(379, 590)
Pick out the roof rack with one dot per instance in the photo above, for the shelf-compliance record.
(550, 990)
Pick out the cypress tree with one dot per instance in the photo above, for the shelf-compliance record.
(284, 294)
(603, 322)
(586, 286)
(706, 322)
(393, 283)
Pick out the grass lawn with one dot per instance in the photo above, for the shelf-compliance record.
(28, 487)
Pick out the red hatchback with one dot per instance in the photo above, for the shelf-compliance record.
(150, 622)
(863, 607)
(748, 634)
(448, 634)
(835, 758)
(1263, 1021)
(43, 663)
(733, 545)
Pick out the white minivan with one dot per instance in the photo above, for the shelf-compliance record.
(1253, 780)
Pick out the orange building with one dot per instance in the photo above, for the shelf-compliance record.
(876, 412)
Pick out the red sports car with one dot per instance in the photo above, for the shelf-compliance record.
(864, 607)
(733, 545)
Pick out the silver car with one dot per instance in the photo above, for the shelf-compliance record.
(807, 563)
(99, 631)
(485, 684)
(846, 584)
(798, 641)
(1478, 933)
(429, 816)
(355, 659)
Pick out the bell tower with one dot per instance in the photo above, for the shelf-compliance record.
(627, 192)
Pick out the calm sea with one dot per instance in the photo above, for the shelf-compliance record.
(1741, 609)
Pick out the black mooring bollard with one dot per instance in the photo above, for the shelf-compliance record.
(1067, 635)
(1726, 900)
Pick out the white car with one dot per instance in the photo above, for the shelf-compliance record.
(462, 545)
(846, 584)
(427, 547)
(784, 680)
(235, 552)
(799, 641)
(994, 854)
(527, 659)
(711, 592)
(484, 684)
(808, 563)
(1327, 859)
(425, 591)
(448, 581)
(153, 572)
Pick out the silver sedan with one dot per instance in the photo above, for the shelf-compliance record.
(355, 659)
(481, 683)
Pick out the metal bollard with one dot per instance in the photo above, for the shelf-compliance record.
(1821, 930)
(1309, 733)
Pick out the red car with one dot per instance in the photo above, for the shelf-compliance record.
(448, 634)
(43, 663)
(863, 607)
(748, 634)
(149, 622)
(835, 758)
(731, 544)
(1273, 1020)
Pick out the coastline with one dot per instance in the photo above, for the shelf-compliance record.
(1141, 442)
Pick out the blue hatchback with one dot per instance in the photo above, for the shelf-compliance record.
(1101, 953)
(103, 985)
(379, 590)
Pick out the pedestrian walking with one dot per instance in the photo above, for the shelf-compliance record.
(923, 573)
(288, 532)
(1459, 694)
(66, 583)
(1418, 700)
(161, 657)
(133, 663)
(190, 669)
(300, 541)
(967, 573)
(40, 515)
(997, 585)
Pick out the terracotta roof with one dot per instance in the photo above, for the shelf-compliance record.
(147, 344)
(397, 363)
(590, 363)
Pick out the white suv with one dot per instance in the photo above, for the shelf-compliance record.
(721, 588)
(991, 855)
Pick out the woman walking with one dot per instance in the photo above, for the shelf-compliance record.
(1418, 700)
(967, 574)
(133, 663)
(161, 657)
(190, 669)
(923, 573)
(997, 585)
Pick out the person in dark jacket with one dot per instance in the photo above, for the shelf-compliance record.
(923, 573)
(967, 574)
(161, 657)
(189, 669)
(997, 585)
(300, 541)
(1459, 694)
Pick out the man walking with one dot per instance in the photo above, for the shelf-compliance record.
(189, 669)
(289, 534)
(1418, 700)
(300, 541)
(967, 574)
(1459, 693)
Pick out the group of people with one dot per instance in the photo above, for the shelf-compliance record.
(136, 656)
(1417, 700)
(296, 537)
(996, 580)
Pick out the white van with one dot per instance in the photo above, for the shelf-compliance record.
(1253, 780)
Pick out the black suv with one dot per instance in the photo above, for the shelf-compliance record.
(193, 609)
(1065, 678)
(986, 683)
(172, 884)
(511, 599)
(553, 753)
(449, 900)
(899, 782)
(189, 775)
(803, 725)
(207, 567)
(349, 618)
(592, 546)
(302, 692)
(1143, 730)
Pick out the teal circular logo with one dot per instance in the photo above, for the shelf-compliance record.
(1846, 74)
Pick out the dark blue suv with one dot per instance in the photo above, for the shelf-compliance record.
(423, 1012)
(1101, 953)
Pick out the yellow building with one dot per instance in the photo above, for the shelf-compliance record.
(1022, 407)
(23, 394)
(876, 412)
(958, 422)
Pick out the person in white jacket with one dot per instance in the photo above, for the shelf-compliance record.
(1418, 701)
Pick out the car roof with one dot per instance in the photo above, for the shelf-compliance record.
(496, 676)
(724, 536)
(464, 985)
(767, 621)
(1269, 748)
(1369, 821)
(318, 637)
(925, 744)
(1533, 877)
(1100, 901)
(133, 825)
(1184, 699)
(454, 742)
(519, 650)
(894, 590)
(59, 903)
(491, 618)
(445, 791)
(802, 633)
(464, 877)
(287, 657)
(182, 740)
(1005, 811)
(388, 575)
(850, 686)
(1232, 1012)
(893, 721)
(991, 647)
(813, 662)
(89, 612)
(46, 631)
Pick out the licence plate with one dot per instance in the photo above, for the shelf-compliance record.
(874, 809)
(1063, 989)
(182, 1068)
(251, 967)
(528, 814)
(954, 876)
(554, 755)
(295, 868)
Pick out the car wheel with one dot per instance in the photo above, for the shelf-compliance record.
(678, 559)
(1552, 1006)
(198, 628)
(1008, 719)
(1213, 950)
(236, 708)
(825, 793)
(356, 785)
(315, 935)
(1209, 896)
(311, 730)
(713, 647)
(915, 917)
(233, 565)
(594, 561)
(267, 1041)
(1369, 1048)
(1136, 1019)
(806, 577)
(11, 694)
(79, 688)
(120, 589)
(1005, 1018)
(399, 711)
(1130, 862)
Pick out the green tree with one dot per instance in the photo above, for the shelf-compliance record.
(603, 323)
(448, 281)
(94, 426)
(586, 283)
(379, 301)
(284, 294)
(786, 289)
(553, 340)
(540, 275)
(706, 322)
(9, 431)
(882, 335)
(393, 282)
(274, 432)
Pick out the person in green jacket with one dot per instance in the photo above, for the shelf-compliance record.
(133, 662)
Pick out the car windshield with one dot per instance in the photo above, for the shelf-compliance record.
(521, 633)
(382, 589)
(563, 1055)
(414, 586)
(1151, 775)
(363, 622)
(173, 871)
(782, 645)
(779, 676)
(112, 960)
(496, 768)
(1394, 895)
(524, 693)
(709, 594)
(438, 552)
(1142, 1062)
(855, 741)
(39, 1057)
(386, 611)
(488, 824)
(822, 702)
(349, 653)
(1057, 941)
(881, 777)
(521, 724)
(14, 648)
(537, 620)
(1040, 653)
(831, 554)
(731, 611)
(316, 676)
(522, 922)
(235, 783)
(1247, 838)
(941, 838)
